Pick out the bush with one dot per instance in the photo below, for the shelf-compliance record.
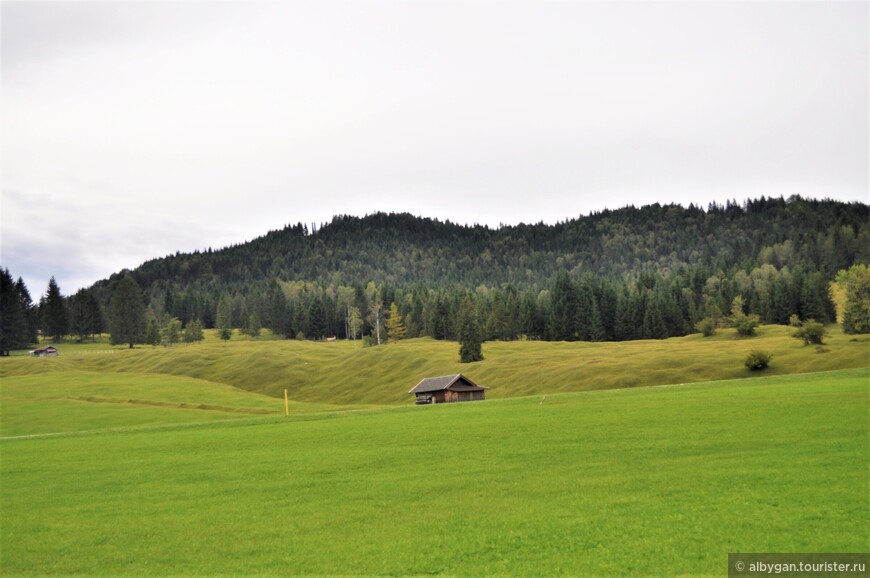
(745, 324)
(811, 333)
(757, 360)
(707, 326)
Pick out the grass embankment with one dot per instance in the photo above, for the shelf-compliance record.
(345, 373)
(642, 481)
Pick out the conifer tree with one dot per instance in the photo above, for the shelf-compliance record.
(13, 324)
(29, 311)
(654, 326)
(315, 320)
(53, 311)
(152, 334)
(395, 328)
(127, 322)
(193, 332)
(470, 341)
(564, 309)
(171, 332)
(253, 327)
(224, 317)
(80, 318)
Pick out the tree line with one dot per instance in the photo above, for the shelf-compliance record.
(647, 273)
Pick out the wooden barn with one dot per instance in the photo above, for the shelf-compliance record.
(47, 351)
(447, 389)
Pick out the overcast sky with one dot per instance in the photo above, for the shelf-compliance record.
(131, 130)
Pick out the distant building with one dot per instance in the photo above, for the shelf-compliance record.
(447, 389)
(47, 351)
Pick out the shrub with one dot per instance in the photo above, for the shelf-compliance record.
(811, 333)
(707, 326)
(757, 360)
(745, 324)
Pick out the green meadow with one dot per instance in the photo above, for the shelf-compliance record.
(180, 461)
(644, 481)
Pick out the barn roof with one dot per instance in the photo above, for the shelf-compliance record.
(456, 382)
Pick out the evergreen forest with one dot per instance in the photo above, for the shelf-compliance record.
(633, 273)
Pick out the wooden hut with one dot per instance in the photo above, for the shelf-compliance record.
(447, 389)
(47, 351)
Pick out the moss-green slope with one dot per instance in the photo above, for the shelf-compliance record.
(346, 373)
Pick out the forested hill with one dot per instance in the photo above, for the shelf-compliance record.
(400, 249)
(662, 266)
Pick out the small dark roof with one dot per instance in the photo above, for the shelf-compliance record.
(45, 348)
(456, 382)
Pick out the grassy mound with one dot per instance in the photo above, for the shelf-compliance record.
(346, 373)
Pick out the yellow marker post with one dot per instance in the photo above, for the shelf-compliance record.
(286, 404)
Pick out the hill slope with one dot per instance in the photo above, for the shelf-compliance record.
(345, 373)
(401, 249)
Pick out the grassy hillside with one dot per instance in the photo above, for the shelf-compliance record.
(345, 373)
(645, 481)
(70, 401)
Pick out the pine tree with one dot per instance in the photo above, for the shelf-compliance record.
(627, 317)
(193, 332)
(127, 322)
(395, 328)
(13, 324)
(31, 315)
(152, 334)
(654, 326)
(171, 332)
(253, 327)
(563, 309)
(224, 317)
(315, 320)
(816, 299)
(53, 311)
(80, 318)
(587, 320)
(470, 341)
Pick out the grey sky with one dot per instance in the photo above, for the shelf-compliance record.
(131, 130)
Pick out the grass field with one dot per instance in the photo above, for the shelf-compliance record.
(345, 373)
(179, 461)
(643, 481)
(70, 401)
